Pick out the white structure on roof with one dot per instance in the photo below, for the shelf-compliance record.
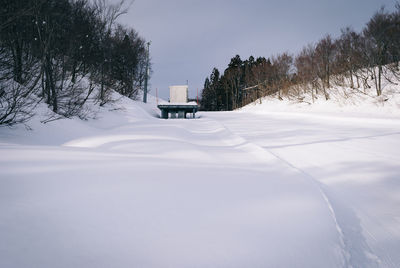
(178, 94)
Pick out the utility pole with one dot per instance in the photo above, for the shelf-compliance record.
(146, 77)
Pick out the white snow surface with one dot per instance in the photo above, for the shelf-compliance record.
(260, 187)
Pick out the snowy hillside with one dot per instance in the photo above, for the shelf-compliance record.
(249, 188)
(361, 102)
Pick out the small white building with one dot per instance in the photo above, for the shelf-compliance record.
(178, 94)
(178, 105)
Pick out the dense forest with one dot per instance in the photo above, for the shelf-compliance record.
(353, 59)
(64, 53)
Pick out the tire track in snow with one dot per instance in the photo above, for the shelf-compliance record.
(352, 256)
(356, 256)
(345, 252)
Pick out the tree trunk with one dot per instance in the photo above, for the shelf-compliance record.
(73, 79)
(312, 93)
(51, 84)
(47, 86)
(375, 80)
(102, 86)
(327, 76)
(351, 79)
(64, 70)
(18, 62)
(379, 89)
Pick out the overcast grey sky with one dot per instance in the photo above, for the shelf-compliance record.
(190, 37)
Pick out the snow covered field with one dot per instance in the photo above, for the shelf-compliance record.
(230, 189)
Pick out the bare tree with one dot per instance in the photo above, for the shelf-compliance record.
(377, 33)
(109, 13)
(348, 60)
(17, 101)
(325, 53)
(282, 65)
(305, 64)
(108, 16)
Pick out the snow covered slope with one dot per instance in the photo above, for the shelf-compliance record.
(234, 189)
(343, 101)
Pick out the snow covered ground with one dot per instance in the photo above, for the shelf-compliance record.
(253, 188)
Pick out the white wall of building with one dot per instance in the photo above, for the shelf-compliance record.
(178, 94)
